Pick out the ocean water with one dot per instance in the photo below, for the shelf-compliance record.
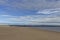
(57, 29)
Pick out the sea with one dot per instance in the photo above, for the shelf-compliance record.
(57, 29)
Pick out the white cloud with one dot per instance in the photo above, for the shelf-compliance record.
(49, 11)
(5, 15)
(35, 19)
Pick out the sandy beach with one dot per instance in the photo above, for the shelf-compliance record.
(24, 33)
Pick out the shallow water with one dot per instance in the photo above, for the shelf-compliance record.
(57, 29)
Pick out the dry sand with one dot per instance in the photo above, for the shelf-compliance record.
(21, 33)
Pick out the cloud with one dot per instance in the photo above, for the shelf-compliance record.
(7, 16)
(45, 7)
(4, 15)
(31, 4)
(30, 19)
(55, 11)
(3, 2)
(34, 19)
(52, 0)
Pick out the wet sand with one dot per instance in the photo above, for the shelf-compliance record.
(24, 33)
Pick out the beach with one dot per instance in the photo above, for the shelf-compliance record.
(26, 33)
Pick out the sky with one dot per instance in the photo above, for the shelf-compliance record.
(30, 12)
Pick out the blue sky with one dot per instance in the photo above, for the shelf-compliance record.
(30, 12)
